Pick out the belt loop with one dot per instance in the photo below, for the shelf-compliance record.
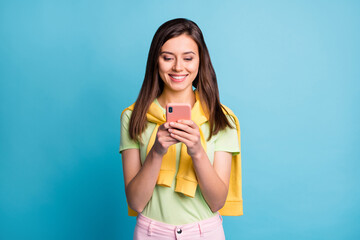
(200, 230)
(150, 228)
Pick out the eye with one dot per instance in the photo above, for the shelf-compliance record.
(188, 59)
(167, 58)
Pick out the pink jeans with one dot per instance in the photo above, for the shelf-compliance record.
(208, 229)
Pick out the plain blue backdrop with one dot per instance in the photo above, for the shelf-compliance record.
(290, 70)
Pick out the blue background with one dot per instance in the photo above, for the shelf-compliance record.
(290, 70)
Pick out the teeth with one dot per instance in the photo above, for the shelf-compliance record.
(179, 77)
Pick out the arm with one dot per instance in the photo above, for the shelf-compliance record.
(213, 179)
(140, 180)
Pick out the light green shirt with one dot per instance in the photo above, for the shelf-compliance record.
(169, 206)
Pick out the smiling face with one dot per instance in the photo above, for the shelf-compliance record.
(179, 63)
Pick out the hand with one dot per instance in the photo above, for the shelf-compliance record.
(187, 132)
(163, 139)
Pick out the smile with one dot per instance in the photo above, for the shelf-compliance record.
(178, 78)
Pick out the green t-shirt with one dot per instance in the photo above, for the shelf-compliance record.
(169, 206)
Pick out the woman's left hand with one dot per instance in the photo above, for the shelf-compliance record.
(187, 132)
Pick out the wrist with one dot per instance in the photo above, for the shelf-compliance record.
(156, 152)
(197, 155)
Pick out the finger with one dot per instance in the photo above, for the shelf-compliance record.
(164, 126)
(189, 123)
(165, 133)
(181, 139)
(182, 134)
(166, 137)
(181, 126)
(171, 139)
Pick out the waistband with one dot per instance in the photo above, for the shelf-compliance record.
(203, 226)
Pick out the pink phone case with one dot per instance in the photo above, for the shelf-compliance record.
(178, 111)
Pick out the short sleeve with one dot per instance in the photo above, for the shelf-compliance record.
(227, 139)
(125, 141)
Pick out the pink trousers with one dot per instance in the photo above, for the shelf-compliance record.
(208, 229)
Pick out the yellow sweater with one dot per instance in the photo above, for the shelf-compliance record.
(186, 181)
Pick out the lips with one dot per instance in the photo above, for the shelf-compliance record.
(178, 78)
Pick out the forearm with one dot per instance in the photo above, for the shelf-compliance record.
(141, 187)
(212, 187)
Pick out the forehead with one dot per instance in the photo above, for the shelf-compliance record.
(180, 44)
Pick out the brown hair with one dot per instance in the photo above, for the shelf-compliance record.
(205, 82)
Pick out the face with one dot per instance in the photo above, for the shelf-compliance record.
(179, 63)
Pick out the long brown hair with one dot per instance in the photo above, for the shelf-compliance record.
(205, 82)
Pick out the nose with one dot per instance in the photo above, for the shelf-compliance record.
(178, 66)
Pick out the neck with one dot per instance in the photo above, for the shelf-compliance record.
(168, 96)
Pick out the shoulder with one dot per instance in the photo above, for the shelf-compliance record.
(127, 111)
(230, 115)
(227, 110)
(125, 116)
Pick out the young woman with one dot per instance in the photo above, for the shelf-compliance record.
(180, 175)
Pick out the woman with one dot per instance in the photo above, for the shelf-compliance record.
(177, 175)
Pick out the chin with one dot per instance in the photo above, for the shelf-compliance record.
(179, 88)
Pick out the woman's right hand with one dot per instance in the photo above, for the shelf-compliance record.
(163, 139)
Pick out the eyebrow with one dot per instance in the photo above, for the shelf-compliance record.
(174, 54)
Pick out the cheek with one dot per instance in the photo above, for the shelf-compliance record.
(164, 67)
(194, 67)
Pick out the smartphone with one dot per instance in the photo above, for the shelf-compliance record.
(178, 111)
